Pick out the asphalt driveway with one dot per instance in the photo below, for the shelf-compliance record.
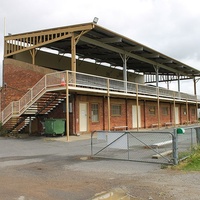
(35, 168)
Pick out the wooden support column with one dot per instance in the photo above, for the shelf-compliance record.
(126, 103)
(67, 107)
(158, 103)
(187, 113)
(73, 53)
(33, 53)
(144, 112)
(108, 95)
(174, 112)
(137, 104)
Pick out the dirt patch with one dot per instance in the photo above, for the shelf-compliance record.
(32, 169)
(53, 180)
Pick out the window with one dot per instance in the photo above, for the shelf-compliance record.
(95, 112)
(165, 110)
(116, 110)
(152, 110)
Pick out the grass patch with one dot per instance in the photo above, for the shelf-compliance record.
(192, 163)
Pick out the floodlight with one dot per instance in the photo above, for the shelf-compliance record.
(95, 20)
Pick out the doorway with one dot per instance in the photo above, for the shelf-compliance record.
(136, 123)
(83, 117)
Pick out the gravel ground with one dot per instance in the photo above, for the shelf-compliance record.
(37, 168)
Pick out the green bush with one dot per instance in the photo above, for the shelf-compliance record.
(192, 163)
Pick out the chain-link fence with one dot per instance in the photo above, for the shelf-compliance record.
(166, 147)
(187, 139)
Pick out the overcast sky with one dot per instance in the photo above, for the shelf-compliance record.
(169, 26)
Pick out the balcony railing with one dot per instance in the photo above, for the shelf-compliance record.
(80, 80)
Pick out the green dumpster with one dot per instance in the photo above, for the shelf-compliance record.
(54, 127)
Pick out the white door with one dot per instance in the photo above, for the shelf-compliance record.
(83, 117)
(136, 120)
(177, 115)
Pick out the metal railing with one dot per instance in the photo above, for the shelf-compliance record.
(76, 79)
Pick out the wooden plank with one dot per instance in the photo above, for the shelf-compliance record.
(120, 127)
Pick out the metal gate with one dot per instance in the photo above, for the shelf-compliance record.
(163, 147)
(156, 147)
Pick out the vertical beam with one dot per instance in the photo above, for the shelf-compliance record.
(103, 102)
(137, 105)
(73, 53)
(158, 102)
(33, 54)
(126, 103)
(179, 86)
(67, 107)
(156, 68)
(187, 113)
(167, 82)
(175, 147)
(108, 95)
(174, 111)
(144, 113)
(195, 86)
(124, 59)
(125, 72)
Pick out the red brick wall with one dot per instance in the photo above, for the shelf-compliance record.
(18, 78)
(191, 116)
(160, 117)
(125, 119)
(147, 119)
(151, 118)
(89, 100)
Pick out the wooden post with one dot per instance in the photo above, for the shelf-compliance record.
(33, 54)
(73, 53)
(108, 95)
(137, 104)
(158, 102)
(174, 112)
(67, 107)
(187, 118)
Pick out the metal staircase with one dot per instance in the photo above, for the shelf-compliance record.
(39, 100)
(44, 105)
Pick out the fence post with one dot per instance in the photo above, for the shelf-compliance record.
(175, 147)
(92, 142)
(198, 134)
(127, 134)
